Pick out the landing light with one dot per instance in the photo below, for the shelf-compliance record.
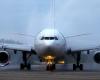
(49, 57)
(61, 62)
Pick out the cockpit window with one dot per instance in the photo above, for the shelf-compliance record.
(49, 38)
(46, 38)
(42, 38)
(56, 38)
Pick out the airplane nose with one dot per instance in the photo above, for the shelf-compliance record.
(49, 43)
(49, 46)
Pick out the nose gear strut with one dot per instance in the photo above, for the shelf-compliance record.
(50, 60)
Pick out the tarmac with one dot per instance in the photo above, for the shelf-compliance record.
(38, 72)
(47, 75)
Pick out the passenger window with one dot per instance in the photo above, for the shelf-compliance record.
(56, 38)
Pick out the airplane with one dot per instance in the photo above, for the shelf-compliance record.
(51, 46)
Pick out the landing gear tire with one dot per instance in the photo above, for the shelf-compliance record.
(47, 68)
(28, 66)
(74, 67)
(81, 67)
(50, 67)
(77, 66)
(21, 66)
(54, 67)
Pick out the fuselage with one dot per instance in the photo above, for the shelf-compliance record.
(50, 42)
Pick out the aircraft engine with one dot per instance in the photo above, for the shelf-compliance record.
(4, 58)
(97, 57)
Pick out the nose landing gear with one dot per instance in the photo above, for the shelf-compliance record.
(50, 63)
(50, 67)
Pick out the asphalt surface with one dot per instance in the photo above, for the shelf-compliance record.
(46, 75)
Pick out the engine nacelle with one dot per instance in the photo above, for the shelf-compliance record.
(4, 58)
(97, 57)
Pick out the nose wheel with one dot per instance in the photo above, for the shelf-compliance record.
(50, 67)
(50, 63)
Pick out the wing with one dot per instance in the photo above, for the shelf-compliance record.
(83, 42)
(17, 47)
(18, 42)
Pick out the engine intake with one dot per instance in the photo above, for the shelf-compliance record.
(4, 58)
(97, 57)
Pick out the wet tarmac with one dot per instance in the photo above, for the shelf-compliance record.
(47, 75)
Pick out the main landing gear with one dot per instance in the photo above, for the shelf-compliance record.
(78, 65)
(25, 64)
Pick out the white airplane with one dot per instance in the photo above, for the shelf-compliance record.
(51, 46)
